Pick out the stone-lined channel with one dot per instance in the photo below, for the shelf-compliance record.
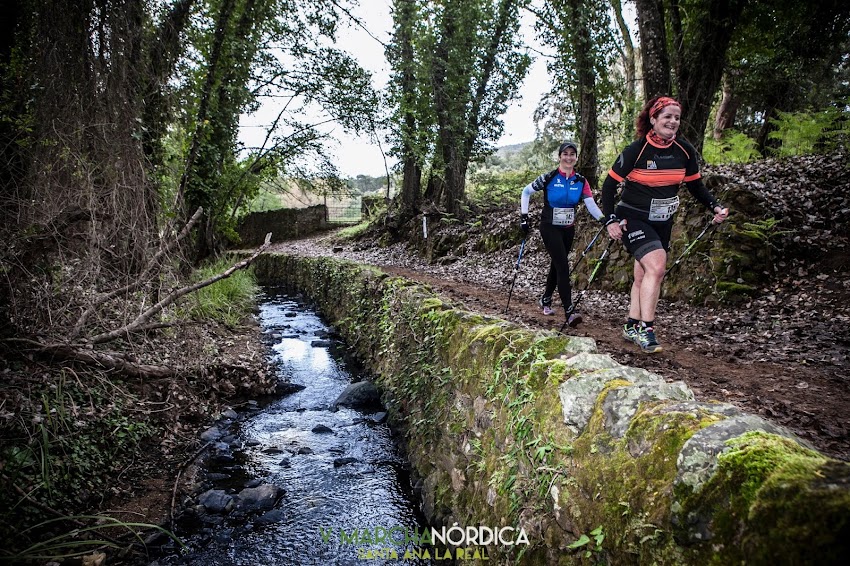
(339, 469)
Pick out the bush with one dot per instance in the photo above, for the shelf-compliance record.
(497, 188)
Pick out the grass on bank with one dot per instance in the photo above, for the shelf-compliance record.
(227, 301)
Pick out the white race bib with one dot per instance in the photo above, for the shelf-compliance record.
(661, 209)
(563, 216)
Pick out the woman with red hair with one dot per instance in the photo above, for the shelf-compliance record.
(651, 169)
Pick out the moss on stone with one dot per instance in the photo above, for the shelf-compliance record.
(731, 289)
(476, 400)
(781, 502)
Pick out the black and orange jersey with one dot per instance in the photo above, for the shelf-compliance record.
(653, 173)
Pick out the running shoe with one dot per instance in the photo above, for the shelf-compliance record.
(546, 305)
(574, 320)
(631, 333)
(648, 343)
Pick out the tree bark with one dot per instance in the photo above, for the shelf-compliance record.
(629, 55)
(703, 61)
(222, 23)
(588, 161)
(654, 57)
(726, 111)
(411, 184)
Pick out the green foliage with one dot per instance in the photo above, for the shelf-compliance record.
(78, 540)
(352, 232)
(585, 35)
(367, 184)
(496, 188)
(62, 447)
(787, 59)
(227, 301)
(766, 230)
(264, 201)
(456, 64)
(804, 133)
(233, 54)
(734, 147)
(584, 541)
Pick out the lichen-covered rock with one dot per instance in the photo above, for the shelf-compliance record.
(622, 403)
(698, 458)
(579, 394)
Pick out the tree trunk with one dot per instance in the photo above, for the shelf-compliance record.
(411, 186)
(628, 59)
(453, 194)
(222, 23)
(461, 114)
(678, 45)
(704, 58)
(763, 141)
(411, 183)
(725, 117)
(653, 53)
(588, 162)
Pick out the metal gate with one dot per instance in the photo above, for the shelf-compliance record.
(343, 208)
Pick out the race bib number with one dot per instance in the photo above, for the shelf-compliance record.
(563, 216)
(661, 209)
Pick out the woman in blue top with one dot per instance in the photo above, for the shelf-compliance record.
(562, 188)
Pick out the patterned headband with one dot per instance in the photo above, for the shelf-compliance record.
(661, 103)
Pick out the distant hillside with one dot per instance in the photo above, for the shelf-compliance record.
(507, 150)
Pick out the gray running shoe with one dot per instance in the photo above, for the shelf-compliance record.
(648, 343)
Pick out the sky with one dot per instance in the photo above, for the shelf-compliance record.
(360, 155)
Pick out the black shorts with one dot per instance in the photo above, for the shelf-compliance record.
(641, 236)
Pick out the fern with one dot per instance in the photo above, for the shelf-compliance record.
(803, 133)
(734, 147)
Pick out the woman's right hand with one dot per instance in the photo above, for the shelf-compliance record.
(615, 230)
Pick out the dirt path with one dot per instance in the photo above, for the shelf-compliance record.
(788, 368)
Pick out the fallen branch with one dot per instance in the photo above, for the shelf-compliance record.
(106, 360)
(143, 277)
(144, 318)
(84, 353)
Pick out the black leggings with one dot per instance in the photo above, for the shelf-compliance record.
(558, 241)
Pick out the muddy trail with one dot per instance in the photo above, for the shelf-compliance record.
(782, 356)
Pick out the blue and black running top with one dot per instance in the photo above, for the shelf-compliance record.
(561, 195)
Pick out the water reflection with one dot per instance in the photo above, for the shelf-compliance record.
(331, 510)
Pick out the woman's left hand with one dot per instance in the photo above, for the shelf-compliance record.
(720, 214)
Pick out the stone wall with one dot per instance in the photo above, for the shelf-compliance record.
(284, 224)
(540, 432)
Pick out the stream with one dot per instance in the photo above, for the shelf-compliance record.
(346, 487)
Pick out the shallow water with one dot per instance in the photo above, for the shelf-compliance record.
(324, 504)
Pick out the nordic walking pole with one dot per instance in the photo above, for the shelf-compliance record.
(516, 270)
(689, 247)
(597, 271)
(587, 249)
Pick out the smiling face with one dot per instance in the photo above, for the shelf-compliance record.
(666, 122)
(567, 159)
